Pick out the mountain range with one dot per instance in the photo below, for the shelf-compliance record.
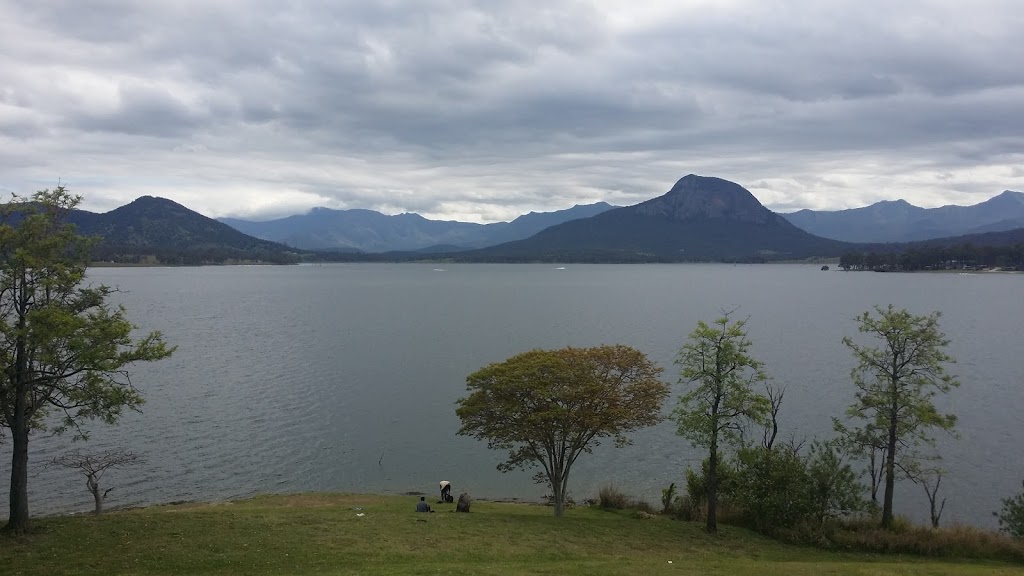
(698, 219)
(370, 231)
(900, 221)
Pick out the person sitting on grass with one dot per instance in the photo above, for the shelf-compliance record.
(422, 505)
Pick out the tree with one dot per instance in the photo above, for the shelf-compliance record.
(63, 347)
(722, 401)
(93, 465)
(546, 407)
(896, 384)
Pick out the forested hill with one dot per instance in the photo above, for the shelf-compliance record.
(1003, 250)
(157, 230)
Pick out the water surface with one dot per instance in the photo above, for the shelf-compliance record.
(345, 377)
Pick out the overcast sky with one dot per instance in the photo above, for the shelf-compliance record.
(483, 110)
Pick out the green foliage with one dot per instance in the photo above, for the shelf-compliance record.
(684, 508)
(833, 486)
(896, 383)
(721, 402)
(697, 482)
(668, 498)
(1011, 516)
(772, 488)
(63, 348)
(547, 407)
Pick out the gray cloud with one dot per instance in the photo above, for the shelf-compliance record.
(481, 111)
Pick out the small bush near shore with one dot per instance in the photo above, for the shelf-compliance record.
(611, 498)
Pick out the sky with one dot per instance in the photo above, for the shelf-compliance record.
(482, 110)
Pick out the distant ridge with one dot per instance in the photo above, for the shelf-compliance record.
(900, 221)
(370, 231)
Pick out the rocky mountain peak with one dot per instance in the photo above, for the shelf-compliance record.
(700, 198)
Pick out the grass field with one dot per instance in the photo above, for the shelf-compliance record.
(324, 534)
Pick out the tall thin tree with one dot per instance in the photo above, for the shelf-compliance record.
(716, 362)
(897, 382)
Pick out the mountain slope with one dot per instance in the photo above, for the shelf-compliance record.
(899, 221)
(370, 231)
(699, 219)
(170, 232)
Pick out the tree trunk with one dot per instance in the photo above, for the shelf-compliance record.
(94, 487)
(712, 520)
(890, 476)
(18, 521)
(558, 491)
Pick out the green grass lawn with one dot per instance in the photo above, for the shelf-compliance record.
(322, 534)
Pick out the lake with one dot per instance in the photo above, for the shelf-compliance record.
(345, 377)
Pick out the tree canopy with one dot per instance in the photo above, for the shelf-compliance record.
(547, 407)
(716, 363)
(897, 382)
(64, 349)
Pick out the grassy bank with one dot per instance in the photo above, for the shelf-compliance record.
(323, 534)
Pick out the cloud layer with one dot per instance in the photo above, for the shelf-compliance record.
(480, 111)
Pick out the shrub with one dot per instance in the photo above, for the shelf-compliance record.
(611, 498)
(1011, 517)
(697, 484)
(864, 534)
(834, 488)
(684, 509)
(772, 488)
(642, 506)
(953, 542)
(668, 498)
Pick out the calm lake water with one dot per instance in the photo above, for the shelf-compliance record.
(345, 377)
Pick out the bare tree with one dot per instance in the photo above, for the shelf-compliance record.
(771, 429)
(93, 465)
(930, 479)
